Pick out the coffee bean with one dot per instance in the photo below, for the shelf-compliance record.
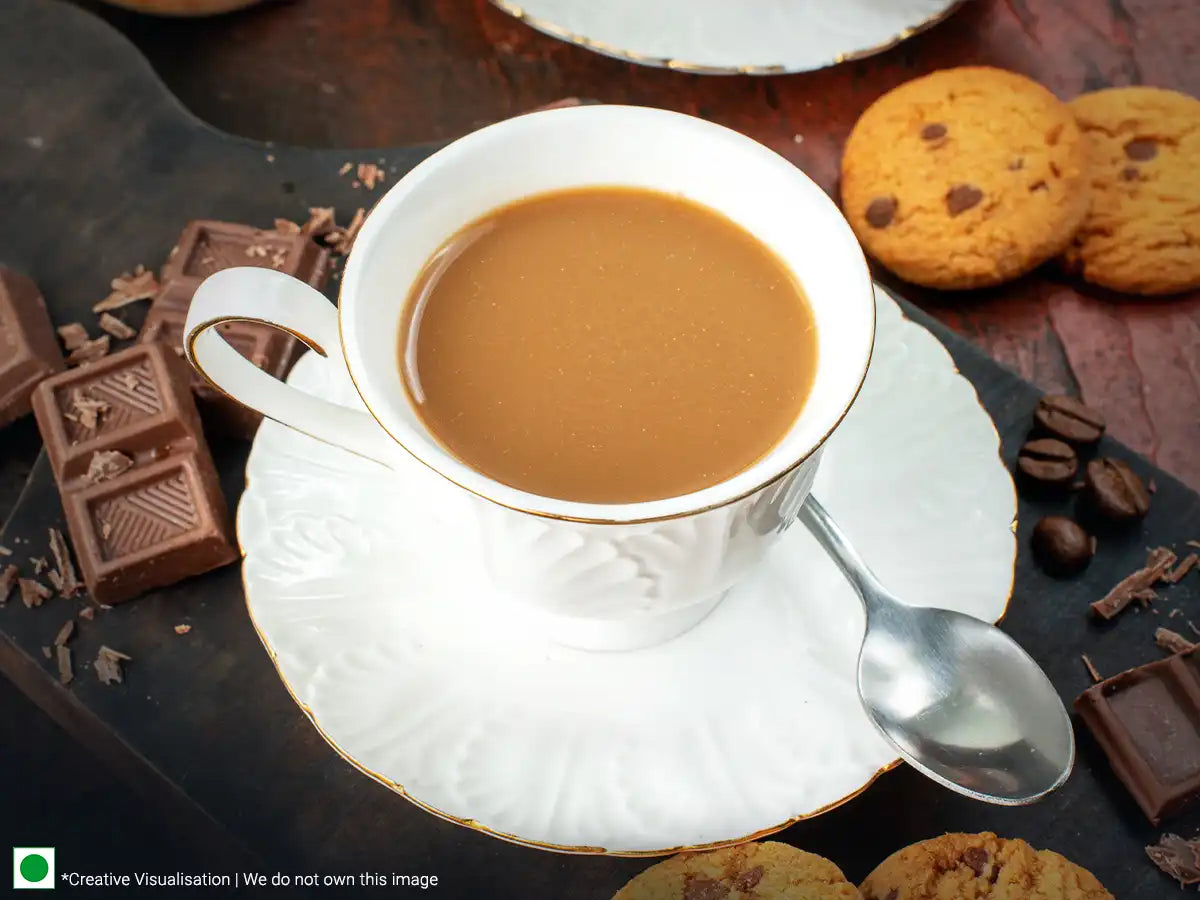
(933, 131)
(881, 211)
(1141, 149)
(1114, 492)
(1061, 546)
(1048, 460)
(962, 197)
(1068, 419)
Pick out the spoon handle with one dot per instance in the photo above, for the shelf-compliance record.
(834, 541)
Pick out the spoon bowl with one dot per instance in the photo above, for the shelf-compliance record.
(959, 699)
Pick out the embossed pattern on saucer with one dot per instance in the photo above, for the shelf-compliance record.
(385, 632)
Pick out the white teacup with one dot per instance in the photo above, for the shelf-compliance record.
(598, 576)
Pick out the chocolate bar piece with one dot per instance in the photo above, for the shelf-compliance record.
(1147, 720)
(206, 247)
(138, 484)
(28, 348)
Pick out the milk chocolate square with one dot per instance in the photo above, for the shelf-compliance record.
(208, 246)
(28, 348)
(139, 488)
(136, 401)
(1147, 720)
(150, 527)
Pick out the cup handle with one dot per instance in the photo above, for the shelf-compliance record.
(267, 297)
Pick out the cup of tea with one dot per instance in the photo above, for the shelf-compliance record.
(616, 338)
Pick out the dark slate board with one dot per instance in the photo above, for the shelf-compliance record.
(99, 170)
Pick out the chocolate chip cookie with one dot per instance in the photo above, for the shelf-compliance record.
(965, 177)
(1142, 235)
(979, 867)
(746, 872)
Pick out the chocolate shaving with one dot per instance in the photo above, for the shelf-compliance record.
(1191, 625)
(85, 410)
(40, 564)
(1132, 586)
(1087, 664)
(1178, 858)
(32, 592)
(127, 288)
(346, 167)
(1163, 556)
(4, 551)
(64, 633)
(108, 665)
(106, 464)
(1145, 596)
(65, 673)
(320, 221)
(370, 175)
(8, 579)
(278, 259)
(48, 652)
(115, 327)
(340, 240)
(257, 250)
(87, 613)
(73, 335)
(90, 351)
(1172, 641)
(1195, 544)
(67, 581)
(286, 227)
(1177, 574)
(182, 629)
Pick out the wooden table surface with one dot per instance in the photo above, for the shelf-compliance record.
(389, 72)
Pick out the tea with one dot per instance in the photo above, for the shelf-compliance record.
(607, 345)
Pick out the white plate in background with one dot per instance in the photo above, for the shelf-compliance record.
(732, 37)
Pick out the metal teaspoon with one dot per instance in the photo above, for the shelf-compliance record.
(959, 699)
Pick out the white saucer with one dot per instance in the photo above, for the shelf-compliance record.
(387, 636)
(732, 37)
